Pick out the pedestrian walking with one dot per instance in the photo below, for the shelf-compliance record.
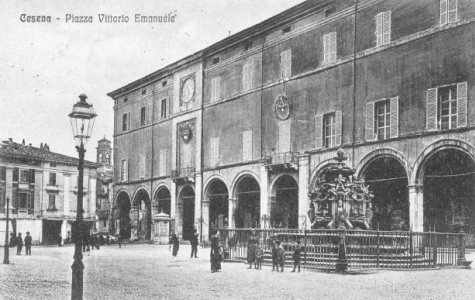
(12, 240)
(252, 242)
(60, 240)
(296, 256)
(119, 240)
(194, 244)
(280, 256)
(28, 243)
(19, 244)
(176, 244)
(274, 255)
(215, 255)
(85, 242)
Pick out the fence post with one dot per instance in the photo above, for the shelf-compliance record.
(305, 249)
(435, 250)
(342, 262)
(410, 247)
(461, 261)
(377, 249)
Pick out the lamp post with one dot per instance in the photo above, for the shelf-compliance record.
(82, 122)
(6, 253)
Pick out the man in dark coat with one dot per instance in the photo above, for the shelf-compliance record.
(28, 243)
(19, 244)
(60, 240)
(194, 244)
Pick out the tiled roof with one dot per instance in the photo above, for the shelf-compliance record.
(10, 149)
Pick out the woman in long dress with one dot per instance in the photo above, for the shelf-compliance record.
(252, 242)
(215, 255)
(176, 244)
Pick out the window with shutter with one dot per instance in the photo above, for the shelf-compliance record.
(284, 136)
(214, 151)
(163, 109)
(329, 130)
(215, 88)
(247, 145)
(163, 162)
(142, 116)
(338, 127)
(329, 47)
(15, 174)
(383, 119)
(318, 131)
(125, 122)
(462, 104)
(394, 108)
(286, 63)
(448, 11)
(247, 77)
(431, 110)
(124, 170)
(369, 132)
(383, 28)
(443, 12)
(142, 167)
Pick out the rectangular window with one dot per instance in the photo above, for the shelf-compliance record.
(52, 178)
(247, 77)
(448, 11)
(286, 64)
(164, 83)
(214, 151)
(142, 167)
(124, 170)
(125, 122)
(52, 202)
(247, 145)
(162, 168)
(330, 11)
(163, 107)
(248, 46)
(3, 173)
(216, 60)
(383, 120)
(383, 28)
(24, 176)
(447, 107)
(329, 48)
(215, 88)
(286, 29)
(144, 92)
(126, 99)
(24, 200)
(142, 116)
(2, 200)
(329, 130)
(284, 136)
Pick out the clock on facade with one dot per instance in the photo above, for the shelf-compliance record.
(188, 90)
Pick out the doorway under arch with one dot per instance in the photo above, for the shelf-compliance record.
(284, 203)
(218, 205)
(248, 194)
(163, 201)
(123, 223)
(141, 215)
(186, 212)
(449, 190)
(387, 179)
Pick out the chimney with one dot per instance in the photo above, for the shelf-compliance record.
(23, 142)
(10, 140)
(29, 145)
(41, 146)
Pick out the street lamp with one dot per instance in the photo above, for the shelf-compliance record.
(82, 122)
(6, 253)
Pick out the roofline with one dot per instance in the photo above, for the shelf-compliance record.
(305, 8)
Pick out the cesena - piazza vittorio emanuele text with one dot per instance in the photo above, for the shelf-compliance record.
(102, 18)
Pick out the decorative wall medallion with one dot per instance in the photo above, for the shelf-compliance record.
(187, 91)
(185, 132)
(282, 107)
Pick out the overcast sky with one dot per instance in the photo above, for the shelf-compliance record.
(46, 66)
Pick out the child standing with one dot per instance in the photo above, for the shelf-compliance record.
(296, 256)
(280, 256)
(274, 256)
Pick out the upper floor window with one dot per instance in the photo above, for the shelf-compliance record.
(284, 136)
(142, 116)
(125, 122)
(248, 46)
(144, 92)
(247, 145)
(126, 99)
(142, 167)
(383, 28)
(382, 119)
(216, 60)
(330, 11)
(448, 11)
(162, 167)
(329, 48)
(52, 179)
(286, 64)
(215, 88)
(52, 202)
(27, 176)
(163, 109)
(447, 107)
(286, 29)
(25, 200)
(214, 151)
(108, 160)
(164, 83)
(3, 173)
(124, 172)
(328, 130)
(247, 77)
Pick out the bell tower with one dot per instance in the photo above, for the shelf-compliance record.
(104, 152)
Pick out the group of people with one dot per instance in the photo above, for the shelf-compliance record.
(19, 241)
(174, 241)
(255, 254)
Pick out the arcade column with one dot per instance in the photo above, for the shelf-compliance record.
(198, 198)
(203, 221)
(304, 161)
(231, 209)
(264, 195)
(416, 208)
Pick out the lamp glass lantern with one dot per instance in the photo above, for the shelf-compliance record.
(82, 120)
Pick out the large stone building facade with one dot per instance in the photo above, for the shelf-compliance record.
(238, 134)
(42, 188)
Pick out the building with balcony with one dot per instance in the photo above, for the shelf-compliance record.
(42, 188)
(238, 134)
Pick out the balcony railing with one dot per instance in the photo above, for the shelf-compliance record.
(184, 174)
(283, 160)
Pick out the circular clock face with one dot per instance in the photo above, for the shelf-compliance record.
(188, 90)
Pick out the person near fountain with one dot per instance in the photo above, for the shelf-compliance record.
(296, 256)
(252, 242)
(215, 255)
(280, 256)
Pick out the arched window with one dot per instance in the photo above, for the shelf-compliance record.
(100, 158)
(107, 158)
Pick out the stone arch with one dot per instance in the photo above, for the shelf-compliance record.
(122, 190)
(417, 174)
(210, 181)
(158, 207)
(142, 188)
(284, 202)
(239, 177)
(185, 210)
(383, 152)
(277, 177)
(160, 186)
(318, 170)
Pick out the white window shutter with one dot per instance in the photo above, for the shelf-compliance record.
(369, 133)
(127, 170)
(431, 110)
(333, 47)
(452, 11)
(394, 118)
(338, 127)
(218, 88)
(386, 27)
(251, 76)
(319, 131)
(283, 59)
(379, 29)
(443, 12)
(462, 104)
(326, 48)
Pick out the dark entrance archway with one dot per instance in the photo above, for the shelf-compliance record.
(388, 180)
(284, 203)
(123, 215)
(248, 209)
(141, 215)
(218, 205)
(449, 190)
(163, 201)
(186, 209)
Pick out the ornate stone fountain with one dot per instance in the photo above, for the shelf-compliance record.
(340, 201)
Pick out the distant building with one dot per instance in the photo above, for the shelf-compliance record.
(105, 175)
(42, 187)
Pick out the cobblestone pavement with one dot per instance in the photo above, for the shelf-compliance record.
(150, 272)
